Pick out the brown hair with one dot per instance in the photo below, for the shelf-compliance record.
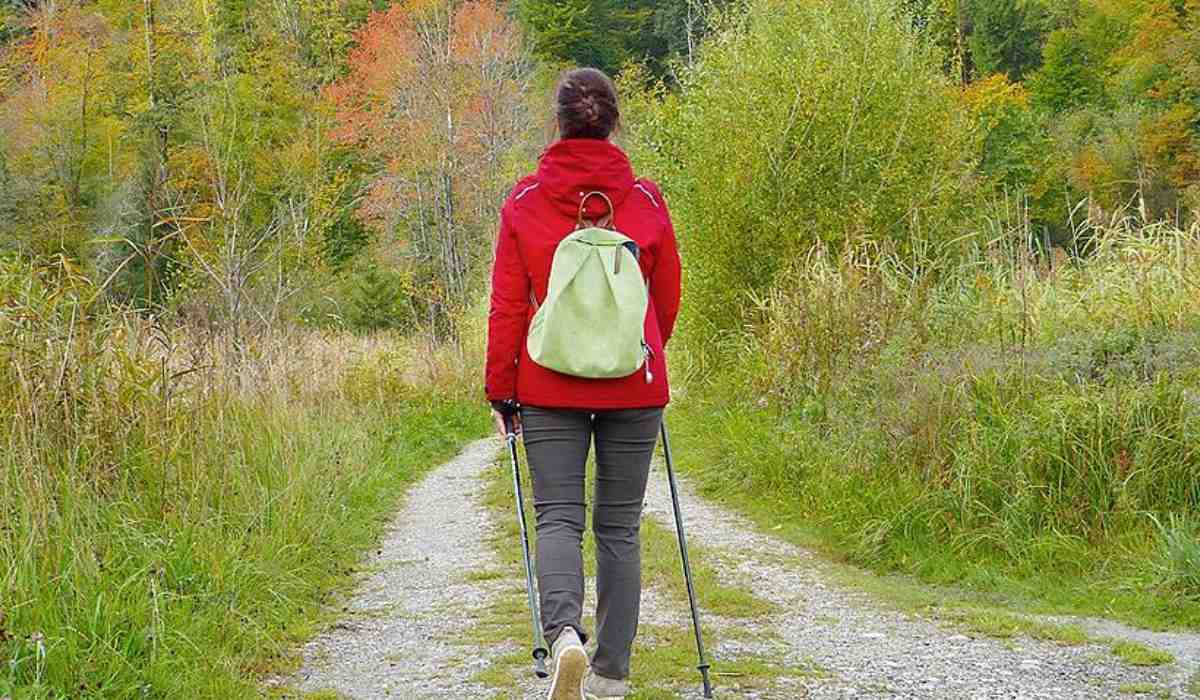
(585, 105)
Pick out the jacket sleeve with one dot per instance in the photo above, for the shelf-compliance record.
(665, 279)
(507, 317)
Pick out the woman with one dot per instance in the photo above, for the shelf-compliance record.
(560, 415)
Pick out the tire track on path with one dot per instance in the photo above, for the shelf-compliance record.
(398, 637)
(871, 651)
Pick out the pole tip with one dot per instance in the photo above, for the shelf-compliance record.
(539, 663)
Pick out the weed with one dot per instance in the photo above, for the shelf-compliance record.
(484, 575)
(1137, 654)
(1144, 689)
(1180, 565)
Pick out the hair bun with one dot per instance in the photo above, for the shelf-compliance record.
(591, 111)
(586, 104)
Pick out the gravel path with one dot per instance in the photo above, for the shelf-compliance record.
(398, 635)
(397, 638)
(873, 652)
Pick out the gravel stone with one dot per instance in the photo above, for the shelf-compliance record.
(407, 614)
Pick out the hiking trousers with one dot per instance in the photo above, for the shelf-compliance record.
(556, 444)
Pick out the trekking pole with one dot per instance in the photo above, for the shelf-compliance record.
(540, 652)
(703, 666)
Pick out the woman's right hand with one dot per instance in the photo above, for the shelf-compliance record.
(501, 410)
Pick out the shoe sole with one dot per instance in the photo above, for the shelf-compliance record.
(569, 672)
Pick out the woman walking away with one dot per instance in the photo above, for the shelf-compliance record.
(585, 190)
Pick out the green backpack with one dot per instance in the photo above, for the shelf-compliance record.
(592, 323)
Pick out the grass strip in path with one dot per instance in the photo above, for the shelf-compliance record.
(664, 654)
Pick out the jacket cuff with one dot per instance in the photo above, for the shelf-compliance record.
(494, 395)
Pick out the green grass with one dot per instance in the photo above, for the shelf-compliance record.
(1144, 689)
(323, 695)
(1137, 654)
(993, 622)
(212, 548)
(661, 564)
(972, 519)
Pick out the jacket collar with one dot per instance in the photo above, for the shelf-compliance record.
(571, 168)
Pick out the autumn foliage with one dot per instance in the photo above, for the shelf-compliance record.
(434, 103)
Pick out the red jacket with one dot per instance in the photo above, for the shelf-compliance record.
(539, 213)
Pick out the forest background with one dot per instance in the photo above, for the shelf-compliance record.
(942, 309)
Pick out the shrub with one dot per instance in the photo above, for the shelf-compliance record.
(1007, 419)
(805, 123)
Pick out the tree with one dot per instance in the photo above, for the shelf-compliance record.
(944, 23)
(54, 84)
(1006, 35)
(609, 34)
(807, 124)
(564, 32)
(1070, 77)
(435, 100)
(1161, 66)
(127, 123)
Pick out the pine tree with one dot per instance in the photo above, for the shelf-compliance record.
(1006, 36)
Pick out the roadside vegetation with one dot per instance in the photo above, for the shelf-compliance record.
(174, 519)
(882, 352)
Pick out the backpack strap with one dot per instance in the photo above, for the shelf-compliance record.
(606, 221)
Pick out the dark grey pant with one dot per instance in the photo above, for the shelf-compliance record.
(557, 443)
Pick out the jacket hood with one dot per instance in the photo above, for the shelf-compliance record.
(571, 168)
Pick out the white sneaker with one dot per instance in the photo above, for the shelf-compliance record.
(570, 667)
(601, 688)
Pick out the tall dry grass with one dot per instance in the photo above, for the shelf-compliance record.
(174, 510)
(1015, 419)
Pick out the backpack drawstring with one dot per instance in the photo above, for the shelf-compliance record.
(649, 356)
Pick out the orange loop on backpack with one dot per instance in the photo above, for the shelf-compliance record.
(605, 221)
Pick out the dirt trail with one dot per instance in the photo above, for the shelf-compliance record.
(401, 632)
